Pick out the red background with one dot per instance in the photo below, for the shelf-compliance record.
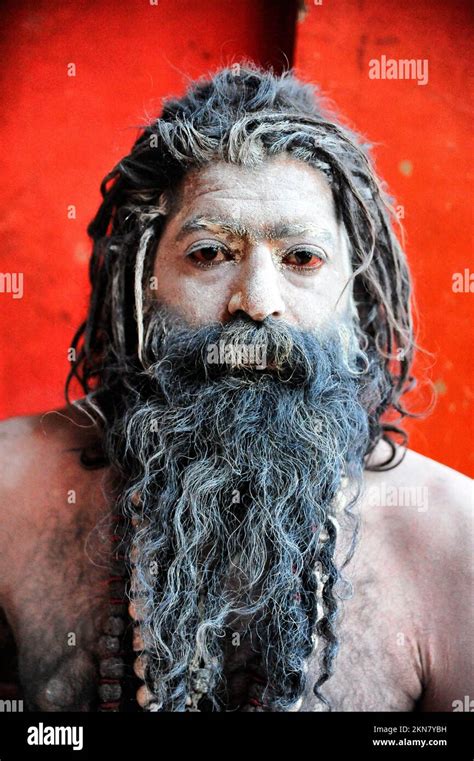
(62, 134)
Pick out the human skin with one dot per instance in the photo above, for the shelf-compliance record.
(405, 635)
(298, 275)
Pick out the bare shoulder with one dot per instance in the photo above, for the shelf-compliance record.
(420, 516)
(422, 499)
(41, 446)
(42, 479)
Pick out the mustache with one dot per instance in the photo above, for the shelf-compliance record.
(242, 348)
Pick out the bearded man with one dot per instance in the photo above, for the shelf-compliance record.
(221, 522)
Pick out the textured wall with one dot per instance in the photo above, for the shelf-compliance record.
(62, 134)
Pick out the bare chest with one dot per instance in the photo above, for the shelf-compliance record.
(58, 608)
(377, 664)
(61, 607)
(376, 667)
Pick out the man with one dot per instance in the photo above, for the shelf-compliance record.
(243, 364)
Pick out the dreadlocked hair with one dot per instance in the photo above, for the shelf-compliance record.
(243, 115)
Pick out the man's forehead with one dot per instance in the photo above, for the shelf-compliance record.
(239, 228)
(275, 177)
(280, 199)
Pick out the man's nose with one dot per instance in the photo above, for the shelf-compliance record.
(257, 288)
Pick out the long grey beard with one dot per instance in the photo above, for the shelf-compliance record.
(237, 470)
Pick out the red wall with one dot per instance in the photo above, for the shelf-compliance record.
(424, 151)
(62, 134)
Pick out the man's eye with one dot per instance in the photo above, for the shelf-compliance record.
(304, 259)
(209, 255)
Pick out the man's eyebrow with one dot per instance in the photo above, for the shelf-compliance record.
(282, 229)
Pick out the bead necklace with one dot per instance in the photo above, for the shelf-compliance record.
(111, 646)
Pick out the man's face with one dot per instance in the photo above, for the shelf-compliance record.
(263, 241)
